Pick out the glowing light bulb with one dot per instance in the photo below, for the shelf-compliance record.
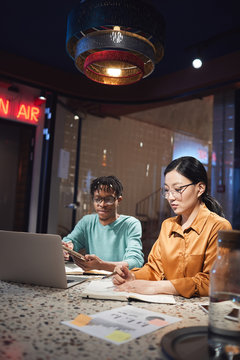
(114, 72)
(116, 35)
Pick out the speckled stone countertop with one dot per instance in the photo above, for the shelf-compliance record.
(30, 327)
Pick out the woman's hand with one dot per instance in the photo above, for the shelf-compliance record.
(139, 286)
(122, 275)
(69, 245)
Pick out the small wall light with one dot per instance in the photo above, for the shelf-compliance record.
(40, 99)
(197, 63)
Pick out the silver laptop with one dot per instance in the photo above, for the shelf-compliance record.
(34, 259)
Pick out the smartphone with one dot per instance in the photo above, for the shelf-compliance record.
(233, 315)
(204, 307)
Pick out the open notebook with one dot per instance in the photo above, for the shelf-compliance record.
(72, 269)
(104, 289)
(34, 259)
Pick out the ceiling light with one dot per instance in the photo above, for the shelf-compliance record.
(115, 42)
(40, 99)
(197, 63)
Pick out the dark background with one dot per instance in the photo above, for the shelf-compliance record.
(32, 50)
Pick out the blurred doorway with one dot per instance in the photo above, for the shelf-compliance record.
(16, 163)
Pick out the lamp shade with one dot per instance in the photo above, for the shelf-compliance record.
(115, 42)
(114, 67)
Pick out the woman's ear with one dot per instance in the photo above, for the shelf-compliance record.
(201, 188)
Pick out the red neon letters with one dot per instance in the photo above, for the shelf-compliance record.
(4, 106)
(28, 112)
(22, 112)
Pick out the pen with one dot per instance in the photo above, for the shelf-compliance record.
(108, 276)
(112, 274)
(74, 253)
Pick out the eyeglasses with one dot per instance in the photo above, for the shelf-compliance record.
(176, 193)
(108, 200)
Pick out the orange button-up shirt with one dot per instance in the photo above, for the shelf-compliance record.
(185, 257)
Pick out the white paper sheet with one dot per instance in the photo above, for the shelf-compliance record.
(124, 324)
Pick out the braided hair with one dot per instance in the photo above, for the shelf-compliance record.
(194, 170)
(109, 183)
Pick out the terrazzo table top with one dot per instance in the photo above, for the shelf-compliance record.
(31, 329)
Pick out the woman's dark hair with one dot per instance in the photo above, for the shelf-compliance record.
(110, 183)
(194, 170)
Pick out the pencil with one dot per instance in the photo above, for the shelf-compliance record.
(74, 253)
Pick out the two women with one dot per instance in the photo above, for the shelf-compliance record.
(181, 258)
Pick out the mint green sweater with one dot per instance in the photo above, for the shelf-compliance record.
(118, 241)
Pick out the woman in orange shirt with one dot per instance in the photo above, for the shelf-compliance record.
(181, 258)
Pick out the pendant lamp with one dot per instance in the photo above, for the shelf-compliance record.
(115, 42)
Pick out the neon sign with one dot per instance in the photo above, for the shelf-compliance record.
(4, 106)
(21, 111)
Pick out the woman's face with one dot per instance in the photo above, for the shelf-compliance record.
(182, 199)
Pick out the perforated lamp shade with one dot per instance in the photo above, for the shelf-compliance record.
(115, 42)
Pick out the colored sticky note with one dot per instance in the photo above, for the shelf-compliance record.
(158, 322)
(118, 336)
(81, 320)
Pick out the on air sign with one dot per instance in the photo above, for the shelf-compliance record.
(20, 111)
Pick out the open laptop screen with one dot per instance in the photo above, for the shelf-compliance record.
(33, 259)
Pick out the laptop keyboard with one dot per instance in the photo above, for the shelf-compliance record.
(79, 280)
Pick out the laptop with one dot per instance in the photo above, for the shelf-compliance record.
(34, 259)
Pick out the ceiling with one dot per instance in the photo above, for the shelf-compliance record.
(32, 50)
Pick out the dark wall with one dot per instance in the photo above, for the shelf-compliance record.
(236, 183)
